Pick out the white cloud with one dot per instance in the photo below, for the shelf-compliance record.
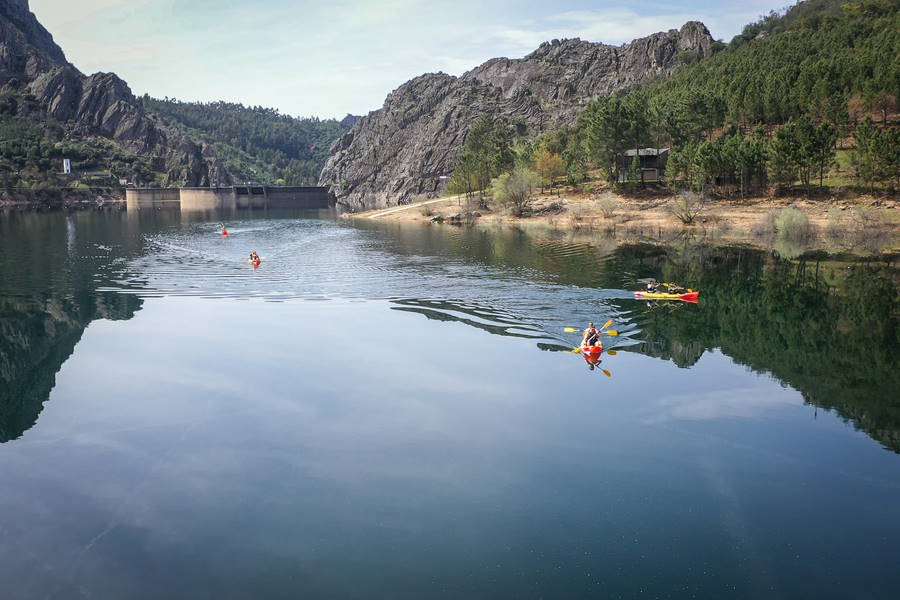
(730, 403)
(329, 58)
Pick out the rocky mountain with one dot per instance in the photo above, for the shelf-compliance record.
(410, 145)
(101, 104)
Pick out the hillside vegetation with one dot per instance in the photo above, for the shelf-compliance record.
(33, 144)
(255, 143)
(770, 108)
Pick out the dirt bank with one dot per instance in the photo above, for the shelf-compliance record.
(853, 223)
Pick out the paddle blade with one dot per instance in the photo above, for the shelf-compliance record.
(612, 332)
(569, 330)
(607, 324)
(576, 350)
(607, 373)
(611, 352)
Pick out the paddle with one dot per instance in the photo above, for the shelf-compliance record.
(610, 332)
(573, 330)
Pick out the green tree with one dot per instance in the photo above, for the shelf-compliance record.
(806, 143)
(634, 171)
(575, 157)
(784, 151)
(515, 189)
(865, 153)
(708, 162)
(682, 163)
(824, 149)
(888, 151)
(605, 126)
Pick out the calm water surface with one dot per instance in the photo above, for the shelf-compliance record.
(389, 411)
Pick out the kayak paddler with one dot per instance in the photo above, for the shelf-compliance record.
(254, 257)
(224, 231)
(591, 336)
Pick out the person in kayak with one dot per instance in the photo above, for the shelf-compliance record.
(254, 257)
(223, 229)
(591, 336)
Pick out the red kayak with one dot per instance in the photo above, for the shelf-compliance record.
(256, 262)
(224, 233)
(592, 354)
(690, 296)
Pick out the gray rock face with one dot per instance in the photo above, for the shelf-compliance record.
(411, 145)
(406, 148)
(101, 104)
(26, 48)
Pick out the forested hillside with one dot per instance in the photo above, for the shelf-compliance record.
(774, 107)
(33, 145)
(255, 143)
(50, 111)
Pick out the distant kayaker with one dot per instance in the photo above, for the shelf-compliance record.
(224, 231)
(591, 336)
(652, 286)
(254, 257)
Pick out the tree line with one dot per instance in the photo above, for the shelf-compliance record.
(771, 108)
(255, 143)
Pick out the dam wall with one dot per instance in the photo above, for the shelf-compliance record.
(136, 198)
(202, 199)
(229, 198)
(299, 197)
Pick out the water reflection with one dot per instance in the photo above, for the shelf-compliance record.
(484, 318)
(826, 326)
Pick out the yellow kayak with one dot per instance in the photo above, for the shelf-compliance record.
(690, 296)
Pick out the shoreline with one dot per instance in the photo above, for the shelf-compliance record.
(859, 224)
(67, 201)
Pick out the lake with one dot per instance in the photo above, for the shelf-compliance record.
(384, 410)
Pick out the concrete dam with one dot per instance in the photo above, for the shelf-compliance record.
(229, 198)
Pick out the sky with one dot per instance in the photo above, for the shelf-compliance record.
(330, 58)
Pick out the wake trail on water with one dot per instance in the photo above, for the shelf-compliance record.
(307, 259)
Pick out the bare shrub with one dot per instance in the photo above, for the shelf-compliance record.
(516, 189)
(870, 234)
(427, 211)
(688, 206)
(765, 227)
(720, 226)
(577, 212)
(868, 217)
(835, 228)
(607, 207)
(792, 224)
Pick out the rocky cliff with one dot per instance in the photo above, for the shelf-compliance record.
(97, 105)
(411, 145)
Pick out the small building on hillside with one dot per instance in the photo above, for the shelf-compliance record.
(653, 164)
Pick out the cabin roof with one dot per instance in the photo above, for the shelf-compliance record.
(647, 151)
